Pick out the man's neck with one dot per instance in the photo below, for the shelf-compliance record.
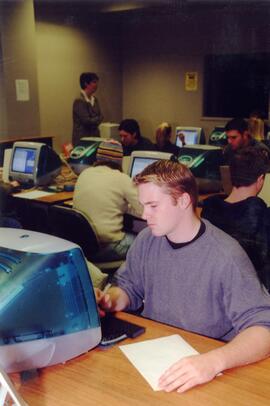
(188, 228)
(241, 193)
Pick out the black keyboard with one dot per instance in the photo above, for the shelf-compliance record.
(115, 330)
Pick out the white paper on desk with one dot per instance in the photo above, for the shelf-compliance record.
(153, 357)
(34, 194)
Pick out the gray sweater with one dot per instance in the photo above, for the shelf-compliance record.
(208, 287)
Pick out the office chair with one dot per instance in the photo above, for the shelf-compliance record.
(74, 226)
(8, 393)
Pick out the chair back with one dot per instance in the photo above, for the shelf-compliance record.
(73, 226)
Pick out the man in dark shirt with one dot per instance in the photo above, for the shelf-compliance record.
(86, 111)
(238, 137)
(243, 214)
(131, 138)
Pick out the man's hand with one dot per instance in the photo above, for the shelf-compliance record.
(189, 372)
(103, 300)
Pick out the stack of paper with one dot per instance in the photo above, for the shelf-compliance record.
(153, 357)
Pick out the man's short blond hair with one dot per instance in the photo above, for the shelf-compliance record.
(174, 177)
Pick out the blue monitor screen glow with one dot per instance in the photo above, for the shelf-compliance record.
(139, 164)
(24, 160)
(141, 159)
(190, 135)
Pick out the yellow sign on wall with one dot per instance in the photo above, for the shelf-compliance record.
(191, 81)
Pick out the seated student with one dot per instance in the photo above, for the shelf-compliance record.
(239, 137)
(104, 194)
(163, 136)
(131, 137)
(242, 214)
(192, 275)
(7, 214)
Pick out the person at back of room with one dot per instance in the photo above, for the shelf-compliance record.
(163, 139)
(239, 137)
(104, 194)
(131, 138)
(242, 214)
(86, 110)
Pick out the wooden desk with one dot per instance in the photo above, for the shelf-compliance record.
(106, 377)
(33, 213)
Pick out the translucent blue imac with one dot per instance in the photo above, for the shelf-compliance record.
(33, 163)
(48, 312)
(141, 159)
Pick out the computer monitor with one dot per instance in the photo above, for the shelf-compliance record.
(33, 164)
(191, 135)
(204, 162)
(218, 137)
(84, 154)
(141, 159)
(48, 309)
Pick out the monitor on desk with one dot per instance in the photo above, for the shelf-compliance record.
(48, 310)
(188, 136)
(33, 164)
(84, 154)
(218, 137)
(141, 159)
(204, 162)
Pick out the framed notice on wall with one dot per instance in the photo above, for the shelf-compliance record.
(22, 90)
(191, 81)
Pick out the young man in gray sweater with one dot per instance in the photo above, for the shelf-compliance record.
(192, 275)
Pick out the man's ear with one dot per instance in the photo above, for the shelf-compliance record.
(260, 182)
(184, 201)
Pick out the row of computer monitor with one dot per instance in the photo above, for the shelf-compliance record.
(34, 164)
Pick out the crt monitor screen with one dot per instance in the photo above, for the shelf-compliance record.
(189, 136)
(141, 159)
(139, 163)
(24, 160)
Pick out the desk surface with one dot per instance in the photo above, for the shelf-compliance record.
(106, 377)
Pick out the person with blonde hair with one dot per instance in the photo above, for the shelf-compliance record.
(163, 139)
(189, 274)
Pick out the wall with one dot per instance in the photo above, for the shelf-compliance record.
(68, 45)
(18, 60)
(158, 50)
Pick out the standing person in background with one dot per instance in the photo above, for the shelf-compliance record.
(86, 111)
(104, 194)
(131, 138)
(163, 139)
